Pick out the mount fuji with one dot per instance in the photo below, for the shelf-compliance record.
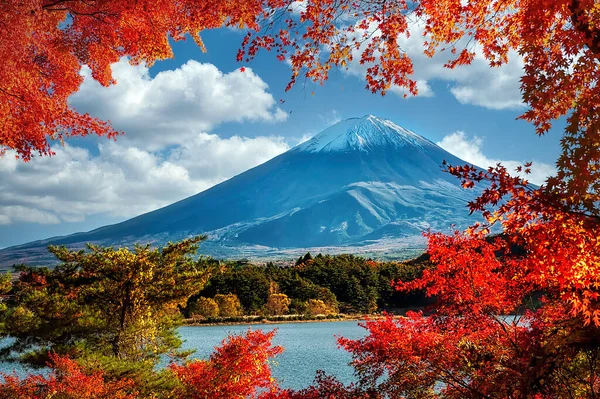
(362, 183)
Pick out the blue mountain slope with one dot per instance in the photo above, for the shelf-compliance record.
(361, 180)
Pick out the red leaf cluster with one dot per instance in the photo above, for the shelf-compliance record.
(239, 368)
(45, 43)
(516, 315)
(68, 380)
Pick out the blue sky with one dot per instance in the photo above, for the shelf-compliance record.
(195, 120)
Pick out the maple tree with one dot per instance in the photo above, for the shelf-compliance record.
(68, 380)
(515, 316)
(239, 368)
(46, 42)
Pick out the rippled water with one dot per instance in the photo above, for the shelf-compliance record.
(308, 347)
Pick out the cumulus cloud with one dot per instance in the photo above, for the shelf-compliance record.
(123, 181)
(469, 149)
(212, 159)
(175, 105)
(476, 84)
(166, 154)
(10, 214)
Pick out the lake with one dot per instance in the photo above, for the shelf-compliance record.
(308, 347)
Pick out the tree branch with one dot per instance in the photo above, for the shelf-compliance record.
(580, 22)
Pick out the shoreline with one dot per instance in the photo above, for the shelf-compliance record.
(265, 321)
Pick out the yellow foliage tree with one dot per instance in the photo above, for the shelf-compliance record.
(204, 308)
(277, 304)
(229, 305)
(116, 302)
(317, 306)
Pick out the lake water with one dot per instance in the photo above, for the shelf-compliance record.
(308, 347)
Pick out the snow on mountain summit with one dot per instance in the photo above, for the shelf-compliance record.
(367, 134)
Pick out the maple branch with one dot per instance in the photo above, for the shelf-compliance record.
(98, 14)
(580, 22)
(50, 5)
(11, 94)
(94, 14)
(556, 205)
(508, 334)
(590, 357)
(458, 382)
(568, 375)
(565, 383)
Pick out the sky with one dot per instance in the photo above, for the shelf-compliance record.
(195, 120)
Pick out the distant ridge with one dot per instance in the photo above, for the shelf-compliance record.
(361, 183)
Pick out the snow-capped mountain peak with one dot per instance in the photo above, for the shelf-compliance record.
(368, 133)
(364, 181)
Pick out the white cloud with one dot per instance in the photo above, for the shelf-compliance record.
(469, 149)
(175, 105)
(12, 214)
(331, 119)
(298, 6)
(213, 159)
(477, 83)
(166, 154)
(123, 181)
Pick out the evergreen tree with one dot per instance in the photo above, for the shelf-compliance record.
(103, 302)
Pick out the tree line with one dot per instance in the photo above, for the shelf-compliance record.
(323, 284)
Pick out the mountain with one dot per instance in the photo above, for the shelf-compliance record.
(362, 182)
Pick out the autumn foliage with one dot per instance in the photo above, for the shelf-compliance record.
(68, 380)
(239, 368)
(45, 43)
(516, 315)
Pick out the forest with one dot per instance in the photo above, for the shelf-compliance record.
(325, 284)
